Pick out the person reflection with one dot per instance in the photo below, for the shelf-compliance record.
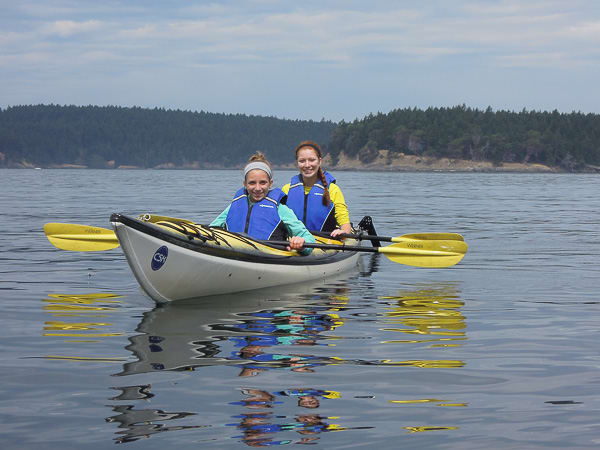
(279, 328)
(259, 431)
(310, 425)
(265, 428)
(257, 398)
(258, 427)
(253, 350)
(307, 397)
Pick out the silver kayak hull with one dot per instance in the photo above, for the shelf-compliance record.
(172, 265)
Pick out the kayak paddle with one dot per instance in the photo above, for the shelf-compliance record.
(420, 250)
(86, 238)
(403, 238)
(412, 252)
(80, 238)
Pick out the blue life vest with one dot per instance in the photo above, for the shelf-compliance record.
(309, 208)
(260, 220)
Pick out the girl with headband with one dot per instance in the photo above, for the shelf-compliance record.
(257, 209)
(313, 195)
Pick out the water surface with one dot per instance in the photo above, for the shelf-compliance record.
(499, 351)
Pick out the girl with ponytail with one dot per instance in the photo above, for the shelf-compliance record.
(313, 194)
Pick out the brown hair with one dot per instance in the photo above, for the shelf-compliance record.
(259, 156)
(320, 173)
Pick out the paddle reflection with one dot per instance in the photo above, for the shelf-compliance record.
(81, 318)
(432, 315)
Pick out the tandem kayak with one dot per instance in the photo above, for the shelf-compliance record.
(175, 259)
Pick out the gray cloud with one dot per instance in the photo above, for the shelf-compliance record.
(126, 52)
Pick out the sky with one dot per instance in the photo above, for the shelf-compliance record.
(322, 59)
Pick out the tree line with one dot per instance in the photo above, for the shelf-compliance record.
(99, 137)
(112, 136)
(570, 141)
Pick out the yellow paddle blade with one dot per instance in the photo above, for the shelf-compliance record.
(80, 238)
(429, 237)
(432, 254)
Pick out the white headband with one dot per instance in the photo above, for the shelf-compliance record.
(258, 165)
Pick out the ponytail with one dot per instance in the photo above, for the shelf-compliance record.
(326, 196)
(259, 157)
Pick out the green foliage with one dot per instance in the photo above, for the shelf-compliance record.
(566, 140)
(46, 135)
(104, 137)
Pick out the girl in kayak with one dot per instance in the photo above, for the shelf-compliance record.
(259, 210)
(313, 194)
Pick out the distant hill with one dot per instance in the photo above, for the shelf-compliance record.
(403, 139)
(106, 137)
(570, 142)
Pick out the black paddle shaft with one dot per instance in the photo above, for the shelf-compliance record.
(340, 247)
(366, 237)
(366, 224)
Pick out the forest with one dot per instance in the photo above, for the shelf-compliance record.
(567, 141)
(104, 137)
(112, 136)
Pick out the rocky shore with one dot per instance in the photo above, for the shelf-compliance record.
(385, 161)
(413, 163)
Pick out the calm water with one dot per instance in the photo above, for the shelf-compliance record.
(499, 351)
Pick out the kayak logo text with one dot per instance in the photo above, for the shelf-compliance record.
(160, 257)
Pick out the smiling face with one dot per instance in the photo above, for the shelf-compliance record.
(308, 162)
(258, 184)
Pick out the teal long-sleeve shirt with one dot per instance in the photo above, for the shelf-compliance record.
(294, 226)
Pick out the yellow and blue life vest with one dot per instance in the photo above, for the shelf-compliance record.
(260, 220)
(309, 208)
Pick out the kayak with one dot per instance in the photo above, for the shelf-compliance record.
(174, 259)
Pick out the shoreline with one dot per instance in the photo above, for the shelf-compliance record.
(385, 162)
(370, 168)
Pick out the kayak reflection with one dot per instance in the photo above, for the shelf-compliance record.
(145, 422)
(237, 329)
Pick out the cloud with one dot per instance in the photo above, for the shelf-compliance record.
(389, 50)
(589, 30)
(324, 34)
(144, 32)
(68, 28)
(541, 59)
